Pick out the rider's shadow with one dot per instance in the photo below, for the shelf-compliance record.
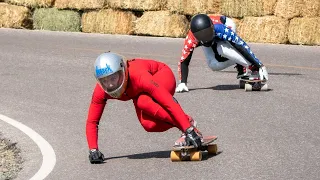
(148, 155)
(272, 74)
(226, 87)
(219, 87)
(158, 154)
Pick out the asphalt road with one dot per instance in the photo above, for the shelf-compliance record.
(47, 82)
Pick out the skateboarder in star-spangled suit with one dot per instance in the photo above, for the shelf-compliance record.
(222, 48)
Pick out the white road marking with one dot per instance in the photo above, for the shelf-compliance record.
(49, 157)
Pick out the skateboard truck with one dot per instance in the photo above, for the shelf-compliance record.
(253, 83)
(185, 153)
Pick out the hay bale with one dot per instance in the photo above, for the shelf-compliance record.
(12, 16)
(231, 8)
(162, 23)
(304, 31)
(79, 4)
(242, 8)
(108, 21)
(56, 20)
(288, 8)
(192, 7)
(268, 29)
(311, 8)
(151, 5)
(32, 3)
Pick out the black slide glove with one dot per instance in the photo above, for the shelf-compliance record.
(193, 138)
(95, 156)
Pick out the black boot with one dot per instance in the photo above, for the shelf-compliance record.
(242, 71)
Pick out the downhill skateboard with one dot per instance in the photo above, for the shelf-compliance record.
(183, 153)
(253, 83)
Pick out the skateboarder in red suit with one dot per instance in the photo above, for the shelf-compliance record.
(150, 85)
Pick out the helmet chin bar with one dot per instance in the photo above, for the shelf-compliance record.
(207, 44)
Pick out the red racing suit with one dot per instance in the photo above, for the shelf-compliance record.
(151, 86)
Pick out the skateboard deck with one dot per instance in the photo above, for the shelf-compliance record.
(253, 83)
(183, 153)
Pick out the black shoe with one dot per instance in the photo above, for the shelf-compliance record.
(242, 71)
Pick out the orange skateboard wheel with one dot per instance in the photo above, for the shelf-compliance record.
(175, 156)
(196, 156)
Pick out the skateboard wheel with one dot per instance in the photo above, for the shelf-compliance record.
(248, 87)
(264, 87)
(241, 84)
(213, 149)
(175, 156)
(196, 156)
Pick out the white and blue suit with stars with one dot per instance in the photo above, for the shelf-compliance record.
(230, 48)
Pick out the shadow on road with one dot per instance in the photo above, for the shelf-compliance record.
(158, 154)
(223, 88)
(275, 74)
(219, 87)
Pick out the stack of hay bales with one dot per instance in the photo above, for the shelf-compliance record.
(258, 24)
(304, 26)
(108, 21)
(162, 23)
(12, 16)
(276, 21)
(267, 29)
(304, 20)
(154, 21)
(191, 7)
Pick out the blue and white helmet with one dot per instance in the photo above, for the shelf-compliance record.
(110, 70)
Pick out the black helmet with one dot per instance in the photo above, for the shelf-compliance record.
(202, 29)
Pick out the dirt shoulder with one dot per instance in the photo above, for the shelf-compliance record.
(10, 159)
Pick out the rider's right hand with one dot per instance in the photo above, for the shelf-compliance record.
(182, 87)
(192, 137)
(263, 73)
(95, 156)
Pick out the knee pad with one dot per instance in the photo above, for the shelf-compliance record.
(149, 126)
(143, 101)
(225, 49)
(218, 66)
(212, 62)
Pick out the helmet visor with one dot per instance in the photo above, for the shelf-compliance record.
(112, 82)
(205, 35)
